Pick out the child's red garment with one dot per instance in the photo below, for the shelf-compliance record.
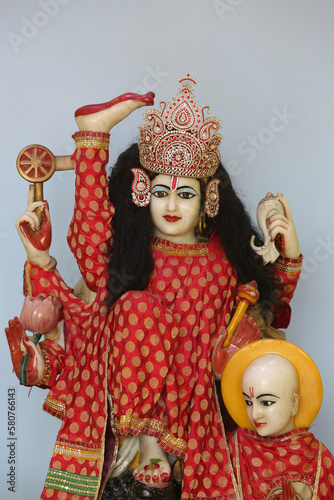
(262, 464)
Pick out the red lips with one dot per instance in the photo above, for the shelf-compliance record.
(171, 218)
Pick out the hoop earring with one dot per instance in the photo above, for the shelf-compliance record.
(201, 226)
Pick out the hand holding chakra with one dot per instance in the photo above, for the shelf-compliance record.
(34, 234)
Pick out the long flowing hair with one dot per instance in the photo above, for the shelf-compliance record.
(131, 262)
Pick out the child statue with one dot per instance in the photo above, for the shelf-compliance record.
(273, 390)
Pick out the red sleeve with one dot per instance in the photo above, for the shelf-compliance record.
(287, 272)
(89, 235)
(54, 359)
(38, 281)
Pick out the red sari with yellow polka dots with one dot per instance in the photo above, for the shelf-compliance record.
(148, 359)
(263, 464)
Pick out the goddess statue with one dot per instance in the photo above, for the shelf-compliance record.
(162, 244)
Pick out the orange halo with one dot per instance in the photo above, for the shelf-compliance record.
(310, 385)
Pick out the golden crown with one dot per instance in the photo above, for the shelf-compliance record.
(177, 139)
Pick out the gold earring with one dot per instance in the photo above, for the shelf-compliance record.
(201, 227)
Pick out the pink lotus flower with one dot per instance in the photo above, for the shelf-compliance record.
(40, 315)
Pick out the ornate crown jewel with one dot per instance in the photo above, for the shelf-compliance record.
(177, 139)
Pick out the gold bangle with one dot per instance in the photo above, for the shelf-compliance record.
(52, 264)
(95, 140)
(288, 267)
(56, 336)
(47, 369)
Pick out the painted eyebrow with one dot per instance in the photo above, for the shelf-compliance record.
(266, 395)
(187, 187)
(168, 187)
(261, 396)
(161, 186)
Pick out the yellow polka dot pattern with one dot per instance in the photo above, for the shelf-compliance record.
(161, 358)
(151, 352)
(262, 464)
(90, 241)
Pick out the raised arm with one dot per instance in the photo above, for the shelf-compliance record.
(38, 363)
(287, 267)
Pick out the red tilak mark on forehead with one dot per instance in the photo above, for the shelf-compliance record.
(174, 182)
(251, 392)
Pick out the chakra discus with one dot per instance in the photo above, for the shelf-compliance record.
(36, 164)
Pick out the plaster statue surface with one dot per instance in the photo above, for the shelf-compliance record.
(267, 208)
(133, 354)
(275, 454)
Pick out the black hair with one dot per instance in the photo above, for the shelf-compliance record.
(131, 262)
(235, 230)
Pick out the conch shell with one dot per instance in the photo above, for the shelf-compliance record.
(268, 206)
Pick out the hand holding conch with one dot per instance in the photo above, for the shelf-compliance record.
(276, 223)
(282, 229)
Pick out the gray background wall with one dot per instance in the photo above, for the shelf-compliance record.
(265, 68)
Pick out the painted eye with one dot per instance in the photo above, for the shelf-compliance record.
(186, 195)
(159, 194)
(248, 403)
(268, 403)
